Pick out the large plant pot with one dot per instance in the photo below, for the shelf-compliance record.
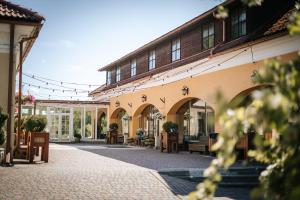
(36, 140)
(168, 140)
(112, 137)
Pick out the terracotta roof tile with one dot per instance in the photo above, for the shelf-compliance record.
(280, 24)
(15, 12)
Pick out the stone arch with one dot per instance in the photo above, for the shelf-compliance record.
(115, 113)
(194, 116)
(178, 104)
(123, 125)
(243, 95)
(138, 118)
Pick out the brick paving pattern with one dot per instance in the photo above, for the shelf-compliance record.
(101, 172)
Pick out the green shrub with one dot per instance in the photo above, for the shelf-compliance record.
(3, 118)
(35, 123)
(113, 126)
(77, 135)
(170, 127)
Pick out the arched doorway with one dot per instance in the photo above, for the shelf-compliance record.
(121, 117)
(150, 121)
(244, 99)
(195, 118)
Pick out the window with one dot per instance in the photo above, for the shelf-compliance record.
(208, 36)
(152, 60)
(118, 74)
(133, 67)
(108, 78)
(175, 50)
(238, 23)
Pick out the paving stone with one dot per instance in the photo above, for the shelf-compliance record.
(99, 172)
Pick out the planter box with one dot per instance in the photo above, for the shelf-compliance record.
(168, 141)
(36, 140)
(112, 137)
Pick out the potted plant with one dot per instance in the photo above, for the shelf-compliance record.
(113, 133)
(77, 137)
(113, 127)
(35, 123)
(169, 139)
(3, 118)
(170, 127)
(37, 137)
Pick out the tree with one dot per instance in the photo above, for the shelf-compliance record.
(273, 109)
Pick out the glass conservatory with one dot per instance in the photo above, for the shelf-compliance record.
(66, 118)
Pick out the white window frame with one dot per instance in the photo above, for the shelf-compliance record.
(118, 74)
(176, 49)
(133, 67)
(152, 60)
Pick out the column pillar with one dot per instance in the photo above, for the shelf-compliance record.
(83, 128)
(71, 120)
(96, 123)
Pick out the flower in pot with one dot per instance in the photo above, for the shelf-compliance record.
(170, 127)
(3, 118)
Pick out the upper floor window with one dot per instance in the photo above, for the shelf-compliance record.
(118, 74)
(152, 60)
(238, 23)
(208, 36)
(175, 49)
(133, 67)
(108, 78)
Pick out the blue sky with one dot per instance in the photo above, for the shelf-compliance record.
(80, 36)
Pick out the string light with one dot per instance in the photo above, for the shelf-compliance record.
(47, 83)
(54, 89)
(61, 82)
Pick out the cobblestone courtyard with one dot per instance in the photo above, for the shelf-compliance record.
(104, 172)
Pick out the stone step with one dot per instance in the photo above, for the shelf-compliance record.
(235, 176)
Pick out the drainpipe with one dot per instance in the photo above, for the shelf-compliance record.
(8, 150)
(25, 39)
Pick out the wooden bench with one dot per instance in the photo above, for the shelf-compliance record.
(199, 146)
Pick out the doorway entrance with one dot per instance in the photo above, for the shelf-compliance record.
(59, 124)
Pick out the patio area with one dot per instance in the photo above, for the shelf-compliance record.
(93, 171)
